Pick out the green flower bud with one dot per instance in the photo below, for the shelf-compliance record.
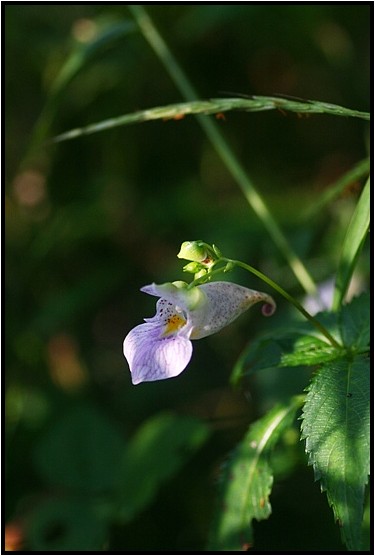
(193, 268)
(178, 293)
(179, 284)
(217, 251)
(201, 273)
(193, 251)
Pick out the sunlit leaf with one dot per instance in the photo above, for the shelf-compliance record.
(354, 323)
(309, 350)
(336, 427)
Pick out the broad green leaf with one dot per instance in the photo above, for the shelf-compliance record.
(354, 320)
(247, 481)
(301, 345)
(288, 347)
(336, 427)
(354, 239)
(81, 451)
(65, 525)
(156, 452)
(309, 350)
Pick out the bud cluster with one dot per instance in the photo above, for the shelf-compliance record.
(201, 255)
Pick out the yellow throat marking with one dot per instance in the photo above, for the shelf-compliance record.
(174, 323)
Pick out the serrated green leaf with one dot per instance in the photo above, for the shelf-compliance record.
(287, 348)
(309, 350)
(296, 346)
(354, 323)
(247, 480)
(156, 452)
(336, 427)
(266, 352)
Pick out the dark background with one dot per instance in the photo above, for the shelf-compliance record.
(90, 221)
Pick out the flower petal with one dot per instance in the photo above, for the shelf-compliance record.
(152, 356)
(212, 306)
(178, 294)
(225, 302)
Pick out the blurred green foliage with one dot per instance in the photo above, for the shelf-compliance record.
(88, 222)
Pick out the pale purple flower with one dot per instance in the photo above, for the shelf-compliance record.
(161, 348)
(322, 299)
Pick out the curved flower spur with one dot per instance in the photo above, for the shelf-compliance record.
(162, 348)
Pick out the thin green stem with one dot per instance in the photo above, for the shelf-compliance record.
(223, 149)
(207, 277)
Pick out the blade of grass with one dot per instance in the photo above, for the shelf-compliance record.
(353, 243)
(207, 107)
(359, 171)
(80, 56)
(311, 107)
(225, 152)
